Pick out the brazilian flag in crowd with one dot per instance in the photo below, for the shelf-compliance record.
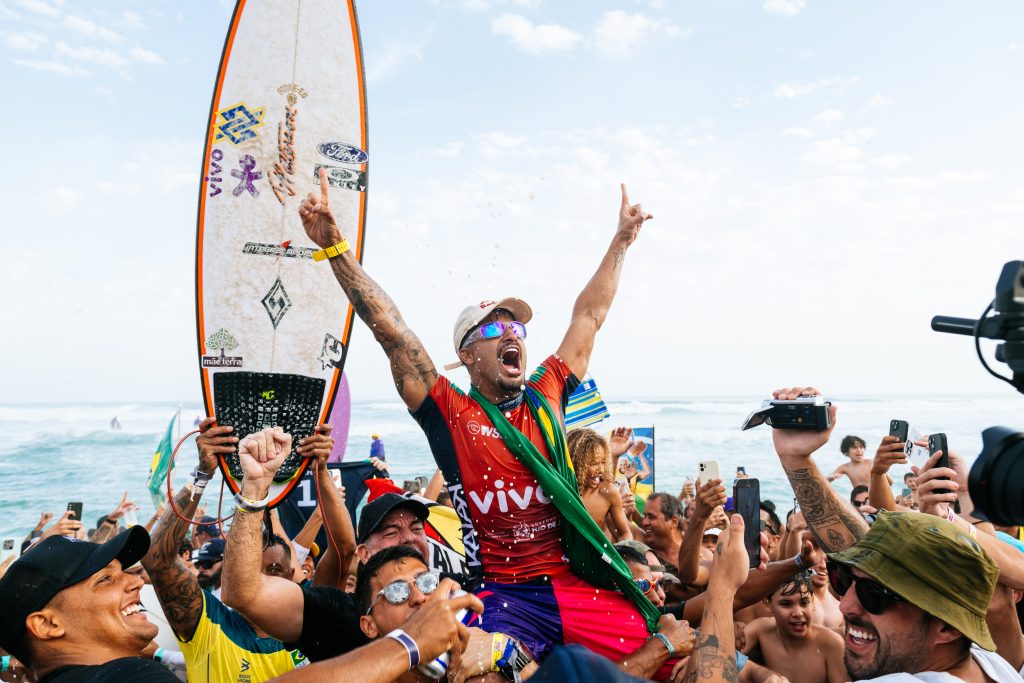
(160, 464)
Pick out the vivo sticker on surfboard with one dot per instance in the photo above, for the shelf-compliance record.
(342, 152)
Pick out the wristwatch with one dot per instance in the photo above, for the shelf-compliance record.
(511, 667)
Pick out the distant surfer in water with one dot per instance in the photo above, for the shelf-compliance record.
(494, 444)
(115, 424)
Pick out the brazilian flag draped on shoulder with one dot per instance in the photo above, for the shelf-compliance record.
(591, 556)
(161, 462)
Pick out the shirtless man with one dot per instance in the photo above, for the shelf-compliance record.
(789, 643)
(826, 606)
(592, 461)
(859, 468)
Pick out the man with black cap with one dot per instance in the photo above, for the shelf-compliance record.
(71, 613)
(209, 561)
(206, 530)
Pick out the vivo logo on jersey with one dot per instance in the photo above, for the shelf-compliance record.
(475, 428)
(504, 497)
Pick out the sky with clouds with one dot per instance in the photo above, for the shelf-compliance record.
(824, 177)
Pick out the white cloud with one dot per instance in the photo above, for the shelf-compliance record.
(140, 55)
(618, 32)
(535, 38)
(798, 132)
(452, 149)
(39, 7)
(7, 13)
(91, 29)
(844, 149)
(788, 8)
(92, 55)
(53, 67)
(791, 90)
(741, 103)
(25, 41)
(827, 117)
(395, 54)
(480, 5)
(878, 101)
(130, 21)
(64, 198)
(889, 161)
(497, 144)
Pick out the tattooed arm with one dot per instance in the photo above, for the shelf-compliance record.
(834, 522)
(714, 656)
(411, 367)
(593, 303)
(271, 603)
(176, 586)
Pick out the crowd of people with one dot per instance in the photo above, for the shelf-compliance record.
(568, 577)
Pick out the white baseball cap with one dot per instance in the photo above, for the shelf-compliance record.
(472, 315)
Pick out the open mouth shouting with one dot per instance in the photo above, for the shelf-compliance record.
(510, 356)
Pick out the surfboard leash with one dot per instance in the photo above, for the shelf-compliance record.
(220, 502)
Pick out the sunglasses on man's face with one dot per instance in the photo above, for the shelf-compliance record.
(398, 592)
(873, 596)
(206, 564)
(859, 503)
(644, 585)
(495, 329)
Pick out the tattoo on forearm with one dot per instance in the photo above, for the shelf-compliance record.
(834, 525)
(709, 660)
(620, 255)
(410, 364)
(176, 587)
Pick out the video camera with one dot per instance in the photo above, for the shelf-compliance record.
(997, 476)
(806, 412)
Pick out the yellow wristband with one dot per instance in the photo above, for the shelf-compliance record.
(497, 647)
(331, 251)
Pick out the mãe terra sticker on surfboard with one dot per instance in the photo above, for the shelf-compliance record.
(273, 325)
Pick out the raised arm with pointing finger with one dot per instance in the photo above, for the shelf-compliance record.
(413, 371)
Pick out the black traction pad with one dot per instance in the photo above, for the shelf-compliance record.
(251, 401)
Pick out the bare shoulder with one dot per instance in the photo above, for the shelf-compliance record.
(760, 625)
(827, 639)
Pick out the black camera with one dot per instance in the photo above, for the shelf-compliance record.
(997, 476)
(806, 412)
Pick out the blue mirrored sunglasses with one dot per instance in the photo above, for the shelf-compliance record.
(643, 584)
(493, 330)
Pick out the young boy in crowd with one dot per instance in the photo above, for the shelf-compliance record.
(788, 643)
(859, 467)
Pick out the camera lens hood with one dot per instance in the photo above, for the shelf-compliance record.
(997, 477)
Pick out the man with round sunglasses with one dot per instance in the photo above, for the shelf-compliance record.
(914, 589)
(512, 530)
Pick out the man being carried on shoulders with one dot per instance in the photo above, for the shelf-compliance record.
(501, 450)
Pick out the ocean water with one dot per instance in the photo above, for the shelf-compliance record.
(51, 454)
